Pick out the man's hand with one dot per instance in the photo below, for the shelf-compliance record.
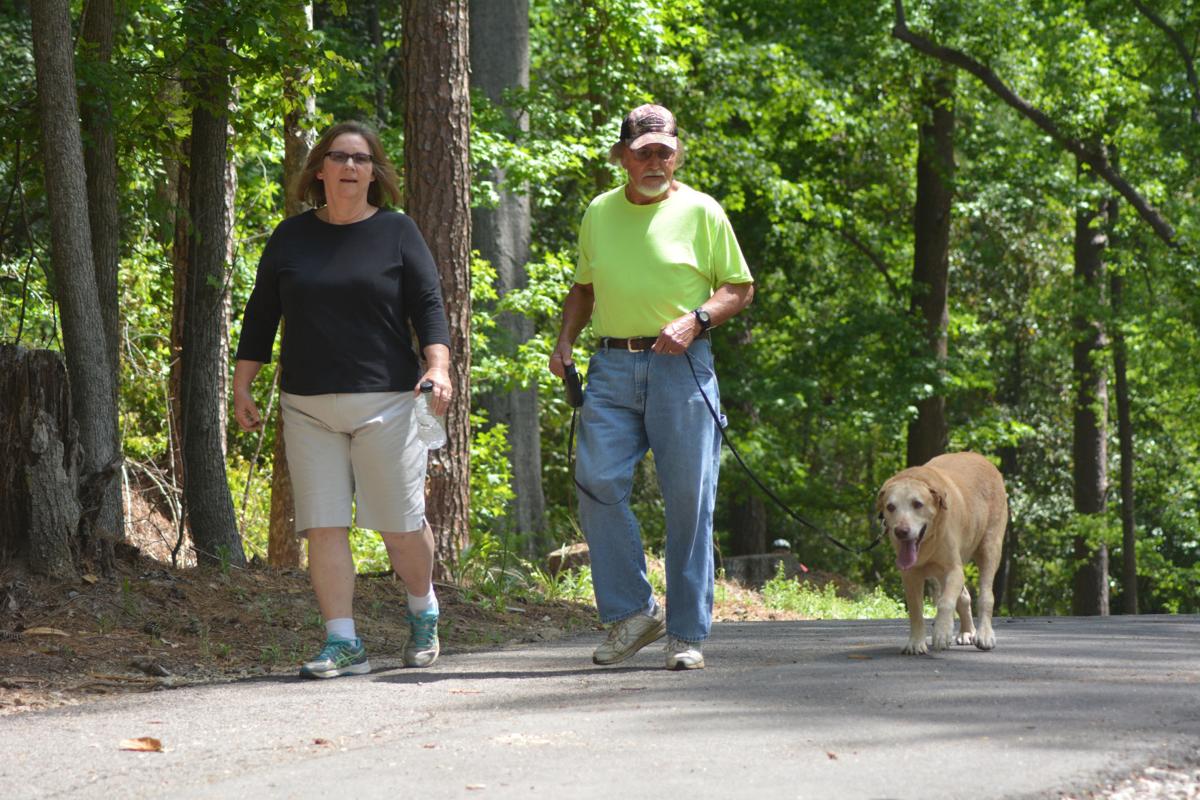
(677, 335)
(559, 359)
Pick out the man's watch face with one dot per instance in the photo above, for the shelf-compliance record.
(703, 318)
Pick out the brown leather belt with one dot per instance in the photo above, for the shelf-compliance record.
(635, 344)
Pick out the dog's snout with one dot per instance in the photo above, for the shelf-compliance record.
(902, 531)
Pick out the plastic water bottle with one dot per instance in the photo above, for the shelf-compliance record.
(430, 429)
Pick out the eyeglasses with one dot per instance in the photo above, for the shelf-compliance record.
(646, 153)
(338, 157)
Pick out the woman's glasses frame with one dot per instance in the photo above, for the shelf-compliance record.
(340, 157)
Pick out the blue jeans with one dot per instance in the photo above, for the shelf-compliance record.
(636, 402)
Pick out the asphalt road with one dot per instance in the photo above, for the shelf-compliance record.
(785, 709)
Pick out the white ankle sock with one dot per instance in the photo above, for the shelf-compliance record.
(342, 628)
(419, 605)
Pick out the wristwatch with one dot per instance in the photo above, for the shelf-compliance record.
(703, 318)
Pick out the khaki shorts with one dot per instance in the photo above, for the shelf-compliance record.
(360, 447)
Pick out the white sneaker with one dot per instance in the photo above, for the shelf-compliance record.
(630, 635)
(684, 655)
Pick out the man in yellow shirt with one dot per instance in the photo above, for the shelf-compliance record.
(658, 266)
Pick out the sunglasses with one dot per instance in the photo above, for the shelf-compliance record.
(648, 152)
(338, 157)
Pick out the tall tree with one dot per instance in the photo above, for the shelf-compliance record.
(1129, 587)
(437, 123)
(1090, 594)
(300, 108)
(100, 163)
(205, 340)
(500, 63)
(88, 362)
(928, 433)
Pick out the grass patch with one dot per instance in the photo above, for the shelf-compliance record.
(787, 594)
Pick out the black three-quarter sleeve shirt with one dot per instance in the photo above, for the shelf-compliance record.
(347, 293)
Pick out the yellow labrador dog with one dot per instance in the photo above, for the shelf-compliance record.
(938, 516)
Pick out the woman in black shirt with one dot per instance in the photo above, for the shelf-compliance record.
(349, 278)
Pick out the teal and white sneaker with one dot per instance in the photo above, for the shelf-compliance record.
(338, 657)
(423, 647)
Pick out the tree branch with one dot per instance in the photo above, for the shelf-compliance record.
(871, 256)
(1188, 62)
(1094, 157)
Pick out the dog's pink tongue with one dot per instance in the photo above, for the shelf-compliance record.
(906, 556)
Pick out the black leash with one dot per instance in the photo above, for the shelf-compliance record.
(762, 487)
(575, 398)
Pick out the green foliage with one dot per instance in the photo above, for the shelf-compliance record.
(800, 117)
(787, 594)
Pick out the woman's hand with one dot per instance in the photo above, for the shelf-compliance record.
(245, 410)
(443, 391)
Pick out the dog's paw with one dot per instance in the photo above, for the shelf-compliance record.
(965, 638)
(942, 641)
(915, 647)
(985, 640)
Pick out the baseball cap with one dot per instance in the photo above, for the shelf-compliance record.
(649, 124)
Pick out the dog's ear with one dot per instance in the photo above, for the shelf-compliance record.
(939, 498)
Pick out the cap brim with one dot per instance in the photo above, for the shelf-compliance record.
(665, 139)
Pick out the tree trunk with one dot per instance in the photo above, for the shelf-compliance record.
(92, 391)
(180, 273)
(1091, 406)
(438, 188)
(1129, 586)
(100, 163)
(39, 475)
(598, 77)
(748, 525)
(379, 67)
(499, 62)
(1010, 466)
(283, 548)
(225, 317)
(928, 434)
(206, 486)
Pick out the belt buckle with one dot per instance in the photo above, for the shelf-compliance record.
(630, 342)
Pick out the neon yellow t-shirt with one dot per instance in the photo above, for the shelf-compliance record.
(650, 264)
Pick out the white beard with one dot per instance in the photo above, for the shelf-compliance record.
(650, 187)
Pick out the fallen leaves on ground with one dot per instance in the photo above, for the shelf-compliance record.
(142, 744)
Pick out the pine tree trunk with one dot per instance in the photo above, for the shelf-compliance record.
(500, 62)
(91, 378)
(206, 487)
(928, 434)
(1091, 406)
(283, 548)
(438, 184)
